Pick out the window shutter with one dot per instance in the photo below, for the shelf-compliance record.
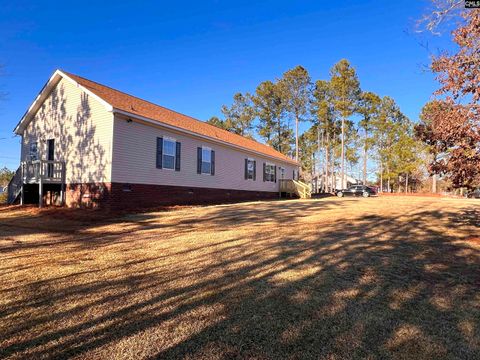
(254, 170)
(199, 160)
(293, 174)
(264, 171)
(159, 152)
(275, 173)
(246, 169)
(212, 164)
(177, 156)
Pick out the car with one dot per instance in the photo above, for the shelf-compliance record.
(357, 190)
(475, 194)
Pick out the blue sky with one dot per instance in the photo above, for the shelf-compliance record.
(193, 56)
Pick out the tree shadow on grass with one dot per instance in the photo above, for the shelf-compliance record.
(372, 286)
(79, 223)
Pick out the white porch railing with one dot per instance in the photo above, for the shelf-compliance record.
(37, 172)
(45, 171)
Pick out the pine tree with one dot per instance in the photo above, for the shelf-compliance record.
(346, 91)
(270, 110)
(368, 108)
(215, 121)
(240, 116)
(296, 91)
(324, 118)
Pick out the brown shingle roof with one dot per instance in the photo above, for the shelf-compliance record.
(136, 106)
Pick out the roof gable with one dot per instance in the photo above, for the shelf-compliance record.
(49, 86)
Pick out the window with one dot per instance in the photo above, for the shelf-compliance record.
(206, 160)
(250, 169)
(269, 172)
(33, 151)
(168, 154)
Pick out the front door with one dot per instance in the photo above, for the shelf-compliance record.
(50, 156)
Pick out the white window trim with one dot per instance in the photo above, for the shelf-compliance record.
(166, 138)
(206, 148)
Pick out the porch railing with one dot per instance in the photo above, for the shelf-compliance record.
(296, 187)
(43, 171)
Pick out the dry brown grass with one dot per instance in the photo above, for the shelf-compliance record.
(331, 278)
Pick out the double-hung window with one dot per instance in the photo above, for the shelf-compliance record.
(269, 172)
(206, 160)
(250, 169)
(33, 153)
(168, 154)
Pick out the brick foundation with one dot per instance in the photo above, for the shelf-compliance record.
(88, 195)
(127, 196)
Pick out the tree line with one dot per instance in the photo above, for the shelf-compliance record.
(348, 127)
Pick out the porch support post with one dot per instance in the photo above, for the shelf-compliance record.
(63, 186)
(40, 186)
(22, 184)
(62, 194)
(40, 193)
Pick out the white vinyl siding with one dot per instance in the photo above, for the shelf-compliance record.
(82, 129)
(134, 146)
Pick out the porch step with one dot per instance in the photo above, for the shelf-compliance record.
(296, 187)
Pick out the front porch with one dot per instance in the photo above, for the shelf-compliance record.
(44, 173)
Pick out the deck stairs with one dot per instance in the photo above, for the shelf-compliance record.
(15, 187)
(295, 188)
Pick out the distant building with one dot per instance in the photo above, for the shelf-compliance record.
(318, 182)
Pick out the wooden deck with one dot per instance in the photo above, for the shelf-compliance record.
(39, 172)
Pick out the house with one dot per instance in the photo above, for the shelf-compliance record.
(319, 183)
(86, 144)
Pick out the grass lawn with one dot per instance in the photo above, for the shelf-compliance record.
(391, 277)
